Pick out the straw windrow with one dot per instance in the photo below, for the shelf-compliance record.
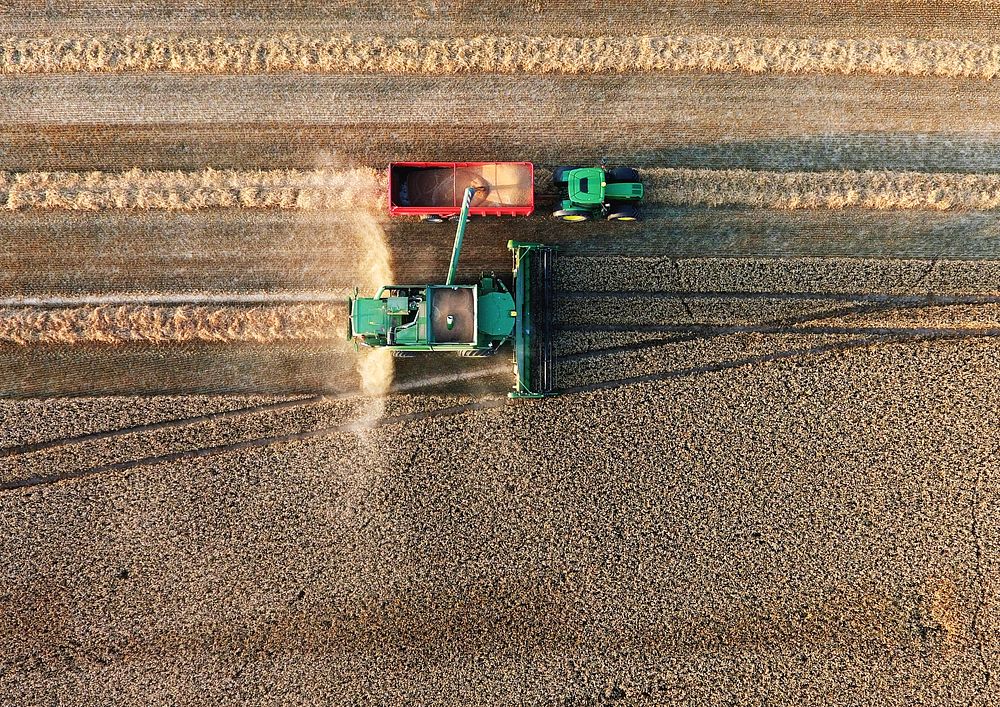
(150, 324)
(498, 54)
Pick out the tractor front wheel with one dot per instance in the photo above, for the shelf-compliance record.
(622, 175)
(623, 212)
(572, 215)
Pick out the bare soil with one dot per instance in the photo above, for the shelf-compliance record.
(770, 477)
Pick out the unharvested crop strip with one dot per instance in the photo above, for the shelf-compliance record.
(822, 190)
(177, 299)
(149, 324)
(510, 54)
(365, 189)
(189, 191)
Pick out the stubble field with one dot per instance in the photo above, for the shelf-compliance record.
(771, 475)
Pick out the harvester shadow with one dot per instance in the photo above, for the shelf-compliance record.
(834, 347)
(786, 325)
(693, 332)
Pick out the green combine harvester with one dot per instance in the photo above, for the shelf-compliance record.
(472, 320)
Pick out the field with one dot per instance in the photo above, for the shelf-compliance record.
(770, 477)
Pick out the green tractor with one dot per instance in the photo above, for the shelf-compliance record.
(471, 320)
(597, 192)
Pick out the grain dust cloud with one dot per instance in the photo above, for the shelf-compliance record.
(360, 254)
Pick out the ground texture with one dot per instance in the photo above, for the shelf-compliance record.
(771, 477)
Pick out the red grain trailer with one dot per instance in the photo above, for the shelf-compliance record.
(433, 190)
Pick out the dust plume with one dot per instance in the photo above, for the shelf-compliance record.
(360, 257)
(375, 366)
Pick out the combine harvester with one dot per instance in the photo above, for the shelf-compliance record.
(472, 320)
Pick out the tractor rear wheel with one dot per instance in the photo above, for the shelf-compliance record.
(431, 218)
(623, 212)
(559, 175)
(620, 175)
(572, 215)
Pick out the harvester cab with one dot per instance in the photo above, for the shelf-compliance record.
(597, 192)
(472, 320)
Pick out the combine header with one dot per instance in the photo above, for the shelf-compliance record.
(472, 320)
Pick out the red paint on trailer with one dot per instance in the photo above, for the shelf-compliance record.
(453, 209)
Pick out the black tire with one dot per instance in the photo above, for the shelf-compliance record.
(431, 218)
(400, 353)
(623, 212)
(576, 215)
(623, 174)
(559, 175)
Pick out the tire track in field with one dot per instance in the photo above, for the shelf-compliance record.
(722, 330)
(450, 411)
(236, 413)
(870, 304)
(839, 346)
(351, 427)
(505, 54)
(32, 447)
(928, 299)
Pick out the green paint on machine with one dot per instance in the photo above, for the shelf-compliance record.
(473, 320)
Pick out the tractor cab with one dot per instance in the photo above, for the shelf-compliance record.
(586, 186)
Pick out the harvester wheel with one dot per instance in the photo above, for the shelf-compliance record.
(623, 174)
(559, 175)
(431, 218)
(623, 212)
(572, 214)
(400, 353)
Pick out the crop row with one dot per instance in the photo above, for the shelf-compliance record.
(133, 323)
(187, 191)
(365, 188)
(498, 54)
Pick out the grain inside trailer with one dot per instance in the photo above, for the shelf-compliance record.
(434, 189)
